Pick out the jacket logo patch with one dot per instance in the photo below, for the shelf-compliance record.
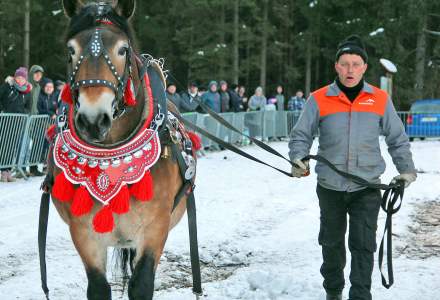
(367, 102)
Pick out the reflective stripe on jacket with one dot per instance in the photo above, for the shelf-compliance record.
(349, 135)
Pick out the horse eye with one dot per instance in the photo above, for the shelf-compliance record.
(123, 51)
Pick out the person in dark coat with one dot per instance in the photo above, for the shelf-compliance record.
(235, 100)
(225, 98)
(190, 99)
(15, 97)
(173, 96)
(47, 100)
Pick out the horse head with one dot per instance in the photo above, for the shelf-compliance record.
(102, 66)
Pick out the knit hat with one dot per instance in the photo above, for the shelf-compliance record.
(22, 71)
(352, 45)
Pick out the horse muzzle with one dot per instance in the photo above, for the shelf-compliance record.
(95, 129)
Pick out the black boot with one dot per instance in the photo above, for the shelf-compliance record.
(334, 297)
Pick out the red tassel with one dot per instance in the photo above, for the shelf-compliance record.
(143, 190)
(66, 94)
(50, 133)
(129, 97)
(103, 221)
(82, 202)
(195, 140)
(62, 189)
(120, 204)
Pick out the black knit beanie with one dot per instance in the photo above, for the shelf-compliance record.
(352, 45)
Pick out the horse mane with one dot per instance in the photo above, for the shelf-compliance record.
(88, 18)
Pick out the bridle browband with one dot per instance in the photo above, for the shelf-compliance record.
(95, 49)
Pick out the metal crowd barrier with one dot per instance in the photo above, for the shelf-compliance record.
(421, 125)
(22, 140)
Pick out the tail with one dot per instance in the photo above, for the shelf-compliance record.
(123, 258)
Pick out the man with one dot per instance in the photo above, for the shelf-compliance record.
(350, 115)
(296, 103)
(15, 97)
(225, 98)
(236, 105)
(35, 76)
(172, 95)
(190, 99)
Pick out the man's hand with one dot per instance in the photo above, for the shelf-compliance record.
(407, 177)
(300, 168)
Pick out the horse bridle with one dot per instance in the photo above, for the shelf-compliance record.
(96, 49)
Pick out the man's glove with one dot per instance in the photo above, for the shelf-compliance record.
(300, 168)
(407, 177)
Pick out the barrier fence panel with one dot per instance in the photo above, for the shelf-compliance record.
(224, 133)
(281, 128)
(269, 124)
(292, 118)
(12, 131)
(239, 124)
(211, 125)
(253, 121)
(421, 125)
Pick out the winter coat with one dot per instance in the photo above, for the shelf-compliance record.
(235, 101)
(212, 100)
(175, 98)
(257, 102)
(295, 103)
(225, 101)
(187, 103)
(349, 135)
(13, 101)
(36, 88)
(280, 102)
(47, 104)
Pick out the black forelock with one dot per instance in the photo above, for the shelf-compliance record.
(88, 18)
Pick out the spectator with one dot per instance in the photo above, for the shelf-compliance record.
(212, 98)
(271, 104)
(296, 103)
(190, 99)
(47, 101)
(258, 100)
(235, 100)
(173, 96)
(280, 98)
(15, 97)
(243, 98)
(59, 86)
(225, 98)
(35, 77)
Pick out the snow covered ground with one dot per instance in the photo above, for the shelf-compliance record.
(257, 234)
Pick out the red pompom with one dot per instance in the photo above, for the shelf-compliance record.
(120, 204)
(103, 221)
(129, 97)
(82, 202)
(62, 189)
(51, 132)
(195, 140)
(143, 190)
(66, 94)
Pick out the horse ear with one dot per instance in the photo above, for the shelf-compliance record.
(71, 7)
(125, 8)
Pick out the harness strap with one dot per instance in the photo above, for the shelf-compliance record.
(42, 235)
(192, 221)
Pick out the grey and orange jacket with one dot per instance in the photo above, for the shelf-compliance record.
(349, 135)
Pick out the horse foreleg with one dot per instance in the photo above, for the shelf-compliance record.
(141, 284)
(94, 257)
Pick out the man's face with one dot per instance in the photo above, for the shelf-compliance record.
(20, 80)
(350, 69)
(193, 89)
(299, 94)
(37, 76)
(224, 87)
(172, 89)
(48, 88)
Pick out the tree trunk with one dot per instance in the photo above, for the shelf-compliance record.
(264, 45)
(420, 59)
(235, 70)
(222, 50)
(26, 47)
(308, 65)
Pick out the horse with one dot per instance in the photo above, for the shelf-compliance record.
(112, 109)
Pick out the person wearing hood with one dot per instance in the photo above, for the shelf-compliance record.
(47, 101)
(225, 98)
(35, 77)
(212, 98)
(15, 97)
(258, 101)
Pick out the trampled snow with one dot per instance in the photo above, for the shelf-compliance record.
(257, 231)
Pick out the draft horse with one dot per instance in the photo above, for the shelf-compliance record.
(122, 167)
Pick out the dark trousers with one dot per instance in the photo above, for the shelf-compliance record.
(363, 208)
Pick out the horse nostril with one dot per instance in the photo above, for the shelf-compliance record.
(104, 121)
(81, 121)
